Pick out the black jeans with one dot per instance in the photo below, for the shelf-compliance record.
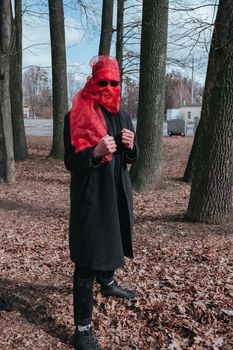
(83, 292)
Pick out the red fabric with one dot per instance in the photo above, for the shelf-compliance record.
(87, 123)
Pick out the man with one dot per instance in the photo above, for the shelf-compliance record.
(99, 143)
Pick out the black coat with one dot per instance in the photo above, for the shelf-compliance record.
(100, 232)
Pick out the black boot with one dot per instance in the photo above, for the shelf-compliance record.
(85, 341)
(117, 291)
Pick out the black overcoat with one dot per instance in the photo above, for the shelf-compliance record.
(98, 239)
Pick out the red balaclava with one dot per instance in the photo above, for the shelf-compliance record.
(87, 123)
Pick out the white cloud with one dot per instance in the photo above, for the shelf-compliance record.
(73, 33)
(36, 40)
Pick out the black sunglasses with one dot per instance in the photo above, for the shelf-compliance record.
(104, 83)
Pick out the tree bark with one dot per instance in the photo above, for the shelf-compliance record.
(59, 74)
(211, 191)
(7, 164)
(106, 28)
(19, 136)
(146, 174)
(120, 34)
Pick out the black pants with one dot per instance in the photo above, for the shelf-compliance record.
(83, 292)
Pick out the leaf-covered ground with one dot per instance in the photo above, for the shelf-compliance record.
(183, 271)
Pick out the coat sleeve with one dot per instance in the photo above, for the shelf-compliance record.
(131, 156)
(75, 161)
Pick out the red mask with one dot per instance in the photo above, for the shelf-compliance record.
(104, 85)
(87, 123)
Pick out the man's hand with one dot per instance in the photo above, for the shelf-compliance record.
(127, 138)
(105, 146)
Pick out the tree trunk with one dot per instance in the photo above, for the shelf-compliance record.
(3, 160)
(146, 174)
(19, 137)
(7, 164)
(120, 34)
(106, 28)
(59, 74)
(211, 191)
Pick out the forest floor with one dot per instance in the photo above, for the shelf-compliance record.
(183, 271)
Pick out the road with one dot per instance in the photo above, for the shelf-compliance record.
(38, 127)
(44, 127)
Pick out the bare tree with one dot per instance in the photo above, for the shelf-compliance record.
(188, 36)
(147, 172)
(106, 28)
(37, 92)
(120, 34)
(19, 137)
(211, 192)
(7, 164)
(129, 98)
(178, 90)
(60, 97)
(74, 86)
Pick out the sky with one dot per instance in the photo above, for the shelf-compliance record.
(189, 35)
(82, 45)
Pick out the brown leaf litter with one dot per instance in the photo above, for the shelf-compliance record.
(183, 271)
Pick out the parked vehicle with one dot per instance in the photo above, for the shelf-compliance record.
(176, 127)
